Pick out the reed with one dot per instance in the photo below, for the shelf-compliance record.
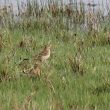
(72, 14)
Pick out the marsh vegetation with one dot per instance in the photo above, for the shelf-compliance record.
(77, 74)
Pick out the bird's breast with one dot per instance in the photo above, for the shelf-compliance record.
(46, 56)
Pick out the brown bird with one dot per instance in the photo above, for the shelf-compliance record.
(44, 54)
(35, 71)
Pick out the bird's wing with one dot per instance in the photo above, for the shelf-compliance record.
(43, 53)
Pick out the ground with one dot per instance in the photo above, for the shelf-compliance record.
(61, 86)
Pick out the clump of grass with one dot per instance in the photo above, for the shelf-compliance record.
(77, 64)
(55, 104)
(102, 89)
(4, 75)
(1, 42)
(5, 72)
(53, 9)
(27, 103)
(49, 84)
(97, 38)
(26, 42)
(108, 37)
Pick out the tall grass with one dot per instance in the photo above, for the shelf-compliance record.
(69, 15)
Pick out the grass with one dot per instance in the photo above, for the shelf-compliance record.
(77, 74)
(58, 88)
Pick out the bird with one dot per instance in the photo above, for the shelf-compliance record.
(35, 71)
(44, 54)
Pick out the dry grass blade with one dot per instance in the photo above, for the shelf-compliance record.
(28, 102)
(1, 42)
(49, 84)
(108, 37)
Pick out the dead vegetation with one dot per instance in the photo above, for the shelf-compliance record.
(77, 65)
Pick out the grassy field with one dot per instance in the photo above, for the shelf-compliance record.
(61, 86)
(75, 77)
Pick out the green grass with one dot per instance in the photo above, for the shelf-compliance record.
(58, 88)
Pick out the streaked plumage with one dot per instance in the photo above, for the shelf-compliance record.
(35, 71)
(44, 54)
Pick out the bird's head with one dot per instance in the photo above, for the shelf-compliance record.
(48, 46)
